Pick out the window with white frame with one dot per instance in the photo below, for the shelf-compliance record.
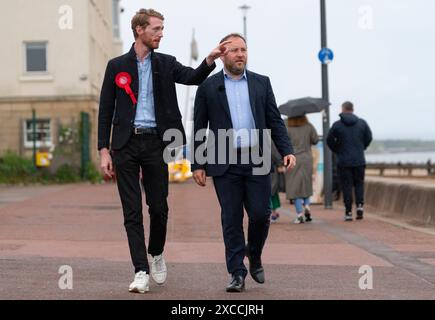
(42, 131)
(36, 56)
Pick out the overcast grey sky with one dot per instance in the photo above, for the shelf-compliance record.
(384, 52)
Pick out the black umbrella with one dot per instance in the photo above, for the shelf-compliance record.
(300, 107)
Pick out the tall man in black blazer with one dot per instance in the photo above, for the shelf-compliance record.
(138, 100)
(240, 102)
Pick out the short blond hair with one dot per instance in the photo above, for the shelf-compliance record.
(142, 19)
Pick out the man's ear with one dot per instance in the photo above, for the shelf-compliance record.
(139, 30)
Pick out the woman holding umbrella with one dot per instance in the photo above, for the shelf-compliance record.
(299, 183)
(299, 186)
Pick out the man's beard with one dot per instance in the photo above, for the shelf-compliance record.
(150, 44)
(235, 70)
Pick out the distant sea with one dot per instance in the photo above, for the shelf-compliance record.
(412, 157)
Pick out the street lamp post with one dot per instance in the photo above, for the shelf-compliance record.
(325, 95)
(245, 9)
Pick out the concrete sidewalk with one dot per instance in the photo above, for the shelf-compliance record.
(81, 226)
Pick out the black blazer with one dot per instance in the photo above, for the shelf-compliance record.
(117, 108)
(212, 109)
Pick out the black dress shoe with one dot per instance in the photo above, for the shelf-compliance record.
(256, 269)
(237, 284)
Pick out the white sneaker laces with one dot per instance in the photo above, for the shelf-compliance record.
(158, 263)
(140, 276)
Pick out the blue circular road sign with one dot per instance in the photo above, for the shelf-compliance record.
(326, 56)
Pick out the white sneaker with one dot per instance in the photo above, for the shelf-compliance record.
(158, 269)
(140, 283)
(299, 220)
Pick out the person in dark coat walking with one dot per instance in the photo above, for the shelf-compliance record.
(349, 138)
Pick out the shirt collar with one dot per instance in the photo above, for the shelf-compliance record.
(226, 76)
(147, 58)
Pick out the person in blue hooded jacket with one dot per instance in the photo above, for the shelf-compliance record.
(349, 138)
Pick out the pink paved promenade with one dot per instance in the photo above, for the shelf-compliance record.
(81, 226)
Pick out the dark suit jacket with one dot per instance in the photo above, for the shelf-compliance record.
(211, 108)
(117, 108)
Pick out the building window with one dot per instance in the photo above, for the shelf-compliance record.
(42, 130)
(36, 56)
(116, 19)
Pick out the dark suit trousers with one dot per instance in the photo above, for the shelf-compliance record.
(238, 189)
(146, 152)
(352, 178)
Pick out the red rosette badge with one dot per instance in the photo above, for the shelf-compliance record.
(123, 80)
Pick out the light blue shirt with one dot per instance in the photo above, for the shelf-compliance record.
(241, 112)
(145, 112)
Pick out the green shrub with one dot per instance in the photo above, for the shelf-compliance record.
(15, 169)
(92, 174)
(18, 170)
(66, 174)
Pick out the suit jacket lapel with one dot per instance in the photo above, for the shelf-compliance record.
(132, 69)
(220, 87)
(252, 94)
(155, 69)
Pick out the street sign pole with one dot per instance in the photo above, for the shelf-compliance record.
(327, 160)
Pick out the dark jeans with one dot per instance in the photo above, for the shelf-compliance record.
(352, 178)
(238, 189)
(146, 152)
